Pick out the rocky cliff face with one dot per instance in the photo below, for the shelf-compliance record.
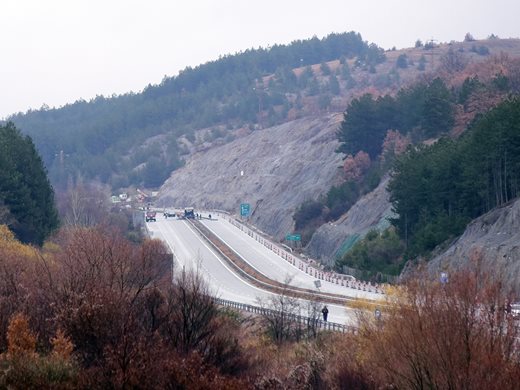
(273, 169)
(495, 237)
(333, 239)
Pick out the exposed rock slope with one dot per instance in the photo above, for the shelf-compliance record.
(496, 236)
(333, 239)
(282, 166)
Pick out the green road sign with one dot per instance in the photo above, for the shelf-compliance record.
(245, 208)
(293, 237)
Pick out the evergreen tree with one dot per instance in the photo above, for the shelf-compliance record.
(438, 110)
(24, 187)
(402, 61)
(422, 63)
(334, 85)
(365, 123)
(436, 190)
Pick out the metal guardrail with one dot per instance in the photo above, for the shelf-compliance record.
(270, 284)
(305, 266)
(308, 321)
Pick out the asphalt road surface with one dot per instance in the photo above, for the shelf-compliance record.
(191, 252)
(272, 265)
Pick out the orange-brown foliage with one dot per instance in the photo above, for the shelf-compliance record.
(21, 341)
(456, 336)
(355, 166)
(62, 347)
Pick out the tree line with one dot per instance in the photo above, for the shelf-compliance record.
(103, 138)
(425, 109)
(437, 189)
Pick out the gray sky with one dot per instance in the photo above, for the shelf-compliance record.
(58, 51)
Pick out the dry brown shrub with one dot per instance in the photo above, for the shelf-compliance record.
(21, 341)
(345, 366)
(62, 347)
(456, 336)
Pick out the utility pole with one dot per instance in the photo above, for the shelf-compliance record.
(431, 44)
(260, 90)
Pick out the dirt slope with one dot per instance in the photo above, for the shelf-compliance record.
(333, 239)
(494, 236)
(273, 169)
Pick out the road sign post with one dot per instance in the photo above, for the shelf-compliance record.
(245, 209)
(295, 238)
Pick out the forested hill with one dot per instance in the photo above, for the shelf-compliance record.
(106, 138)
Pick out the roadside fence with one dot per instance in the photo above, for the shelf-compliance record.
(308, 266)
(303, 320)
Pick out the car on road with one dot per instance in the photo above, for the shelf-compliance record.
(150, 216)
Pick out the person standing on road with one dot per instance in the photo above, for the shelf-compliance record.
(325, 312)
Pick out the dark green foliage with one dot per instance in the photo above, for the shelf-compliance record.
(325, 69)
(96, 135)
(366, 121)
(418, 43)
(376, 253)
(305, 77)
(438, 110)
(501, 82)
(371, 56)
(341, 198)
(481, 50)
(429, 45)
(422, 63)
(469, 86)
(334, 85)
(324, 101)
(24, 187)
(314, 87)
(436, 230)
(436, 190)
(468, 37)
(402, 61)
(308, 211)
(365, 124)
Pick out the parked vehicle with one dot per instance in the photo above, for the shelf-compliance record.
(150, 216)
(189, 213)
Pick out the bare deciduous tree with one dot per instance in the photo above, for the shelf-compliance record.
(457, 335)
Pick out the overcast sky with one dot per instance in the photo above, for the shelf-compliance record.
(58, 51)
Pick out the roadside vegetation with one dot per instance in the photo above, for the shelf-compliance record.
(97, 311)
(451, 154)
(91, 309)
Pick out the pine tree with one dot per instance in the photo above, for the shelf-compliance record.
(24, 187)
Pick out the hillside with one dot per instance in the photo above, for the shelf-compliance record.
(273, 169)
(331, 240)
(334, 238)
(274, 115)
(106, 138)
(492, 239)
(133, 139)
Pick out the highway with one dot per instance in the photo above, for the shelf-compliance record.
(191, 251)
(272, 265)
